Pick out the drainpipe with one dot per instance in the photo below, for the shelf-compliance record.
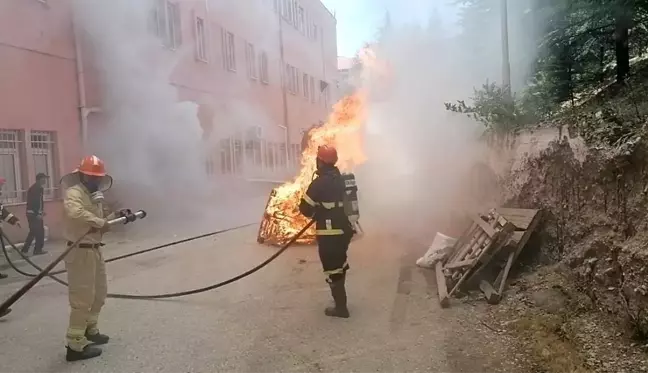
(283, 89)
(328, 86)
(83, 111)
(286, 139)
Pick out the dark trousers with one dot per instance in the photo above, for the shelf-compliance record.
(333, 255)
(36, 231)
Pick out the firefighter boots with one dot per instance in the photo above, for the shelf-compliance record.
(98, 338)
(339, 297)
(88, 353)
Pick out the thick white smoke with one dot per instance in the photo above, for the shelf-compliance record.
(421, 156)
(150, 141)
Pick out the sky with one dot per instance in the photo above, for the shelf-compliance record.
(359, 20)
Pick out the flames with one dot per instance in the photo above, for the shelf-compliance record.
(343, 130)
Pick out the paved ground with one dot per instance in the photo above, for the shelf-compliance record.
(269, 322)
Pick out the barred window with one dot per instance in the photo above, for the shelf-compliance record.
(10, 169)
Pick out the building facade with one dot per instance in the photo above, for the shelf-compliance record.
(269, 64)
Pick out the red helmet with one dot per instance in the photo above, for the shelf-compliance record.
(92, 166)
(327, 154)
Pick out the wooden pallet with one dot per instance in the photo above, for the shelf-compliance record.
(526, 221)
(474, 250)
(503, 228)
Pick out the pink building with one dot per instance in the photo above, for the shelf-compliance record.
(278, 59)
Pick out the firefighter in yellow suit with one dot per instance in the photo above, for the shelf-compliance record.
(83, 212)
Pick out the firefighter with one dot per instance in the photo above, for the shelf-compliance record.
(83, 212)
(323, 201)
(7, 216)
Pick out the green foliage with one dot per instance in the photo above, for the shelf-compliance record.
(500, 113)
(584, 45)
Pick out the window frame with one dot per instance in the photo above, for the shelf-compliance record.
(306, 86)
(229, 50)
(264, 72)
(250, 57)
(201, 39)
(14, 151)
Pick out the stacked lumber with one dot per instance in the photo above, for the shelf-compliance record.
(487, 249)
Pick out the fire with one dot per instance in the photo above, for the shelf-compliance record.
(343, 130)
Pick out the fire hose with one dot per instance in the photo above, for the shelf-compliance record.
(4, 307)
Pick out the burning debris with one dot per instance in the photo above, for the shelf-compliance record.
(281, 218)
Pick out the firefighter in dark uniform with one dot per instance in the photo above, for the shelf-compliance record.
(323, 201)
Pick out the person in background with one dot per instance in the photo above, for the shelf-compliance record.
(7, 216)
(35, 214)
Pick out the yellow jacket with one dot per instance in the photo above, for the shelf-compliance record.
(81, 214)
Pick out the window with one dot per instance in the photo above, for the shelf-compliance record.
(42, 150)
(210, 165)
(291, 12)
(292, 79)
(264, 68)
(250, 57)
(296, 79)
(305, 85)
(201, 40)
(166, 23)
(301, 20)
(285, 4)
(10, 166)
(312, 89)
(226, 156)
(314, 31)
(295, 15)
(229, 52)
(324, 93)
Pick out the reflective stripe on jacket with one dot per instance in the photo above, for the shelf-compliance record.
(323, 202)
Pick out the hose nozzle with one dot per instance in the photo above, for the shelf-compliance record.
(128, 217)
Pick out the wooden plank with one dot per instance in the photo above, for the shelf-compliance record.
(461, 264)
(522, 218)
(501, 278)
(474, 251)
(521, 224)
(499, 241)
(465, 237)
(517, 212)
(490, 231)
(444, 299)
(515, 238)
(468, 246)
(505, 272)
(492, 297)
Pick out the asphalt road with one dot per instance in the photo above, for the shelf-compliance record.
(272, 321)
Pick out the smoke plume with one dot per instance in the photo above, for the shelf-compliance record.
(151, 142)
(422, 157)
